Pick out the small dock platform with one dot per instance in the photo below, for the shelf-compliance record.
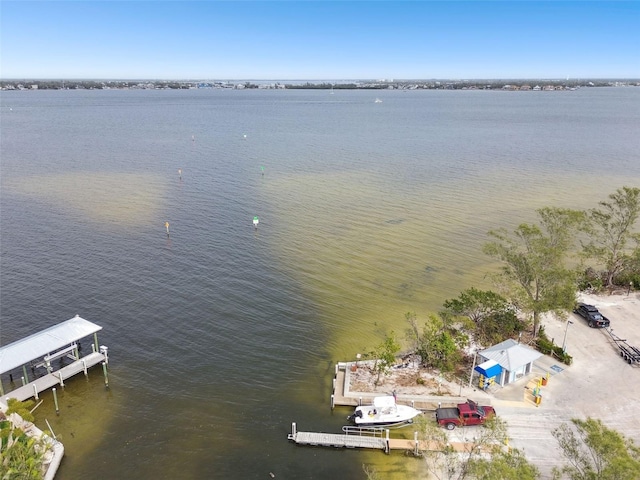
(342, 395)
(338, 440)
(371, 438)
(351, 438)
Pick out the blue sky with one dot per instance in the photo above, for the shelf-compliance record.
(319, 40)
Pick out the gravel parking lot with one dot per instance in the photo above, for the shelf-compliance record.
(599, 383)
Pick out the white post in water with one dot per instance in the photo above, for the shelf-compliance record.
(55, 400)
(60, 377)
(106, 377)
(51, 429)
(35, 391)
(84, 367)
(293, 429)
(333, 402)
(105, 351)
(388, 447)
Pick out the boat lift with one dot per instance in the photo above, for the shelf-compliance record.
(629, 353)
(39, 350)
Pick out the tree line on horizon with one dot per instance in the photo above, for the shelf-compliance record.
(489, 84)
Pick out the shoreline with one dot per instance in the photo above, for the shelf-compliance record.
(55, 449)
(580, 390)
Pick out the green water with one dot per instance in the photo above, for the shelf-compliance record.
(221, 335)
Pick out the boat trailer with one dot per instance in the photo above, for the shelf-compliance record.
(629, 353)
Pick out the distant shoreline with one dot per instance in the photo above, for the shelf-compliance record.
(505, 84)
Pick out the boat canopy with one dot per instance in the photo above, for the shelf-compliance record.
(45, 342)
(489, 369)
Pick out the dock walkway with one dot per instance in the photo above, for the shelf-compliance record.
(33, 389)
(377, 439)
(338, 440)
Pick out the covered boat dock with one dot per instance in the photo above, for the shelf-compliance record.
(40, 350)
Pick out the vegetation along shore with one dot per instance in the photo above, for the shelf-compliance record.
(541, 267)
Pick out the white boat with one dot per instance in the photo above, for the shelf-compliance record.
(378, 100)
(383, 411)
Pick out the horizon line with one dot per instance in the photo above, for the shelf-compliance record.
(390, 80)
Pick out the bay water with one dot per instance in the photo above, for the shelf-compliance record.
(220, 334)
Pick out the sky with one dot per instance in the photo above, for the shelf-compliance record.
(319, 40)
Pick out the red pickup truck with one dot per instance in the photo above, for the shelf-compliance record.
(469, 413)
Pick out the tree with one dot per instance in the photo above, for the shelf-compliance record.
(493, 317)
(595, 452)
(631, 273)
(533, 260)
(482, 457)
(21, 408)
(384, 355)
(610, 227)
(476, 304)
(509, 465)
(438, 343)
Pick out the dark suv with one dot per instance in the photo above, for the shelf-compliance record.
(591, 314)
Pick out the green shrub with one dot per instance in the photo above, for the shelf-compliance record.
(590, 279)
(21, 456)
(546, 346)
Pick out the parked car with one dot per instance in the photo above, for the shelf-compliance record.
(591, 314)
(469, 413)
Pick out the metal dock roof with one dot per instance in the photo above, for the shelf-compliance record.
(42, 343)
